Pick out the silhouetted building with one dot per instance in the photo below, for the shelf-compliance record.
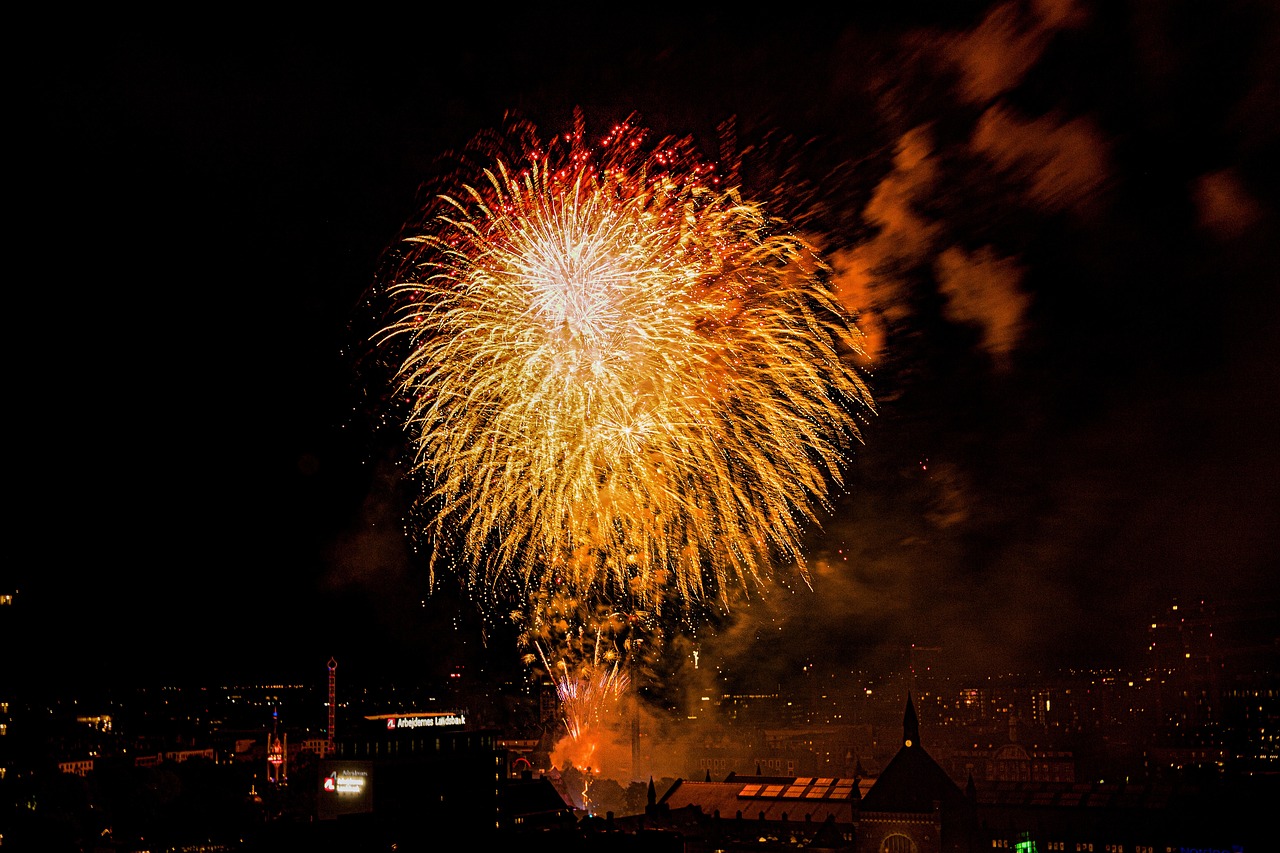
(407, 774)
(1130, 818)
(764, 800)
(1011, 761)
(914, 806)
(1213, 665)
(532, 804)
(819, 752)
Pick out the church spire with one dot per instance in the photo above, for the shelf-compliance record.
(910, 724)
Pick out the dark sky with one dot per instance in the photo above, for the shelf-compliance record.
(1057, 221)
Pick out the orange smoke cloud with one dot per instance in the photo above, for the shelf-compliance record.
(1063, 163)
(994, 56)
(903, 231)
(1224, 207)
(863, 278)
(982, 289)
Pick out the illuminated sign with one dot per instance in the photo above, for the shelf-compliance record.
(346, 787)
(275, 752)
(418, 721)
(349, 782)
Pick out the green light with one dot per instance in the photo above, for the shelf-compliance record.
(1027, 846)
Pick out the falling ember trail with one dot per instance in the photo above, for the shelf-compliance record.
(585, 694)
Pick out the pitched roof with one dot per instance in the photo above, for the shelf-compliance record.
(533, 796)
(912, 781)
(770, 796)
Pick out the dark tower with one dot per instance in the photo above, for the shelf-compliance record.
(333, 668)
(277, 752)
(914, 804)
(910, 724)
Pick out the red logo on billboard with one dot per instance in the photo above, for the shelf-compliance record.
(330, 783)
(391, 723)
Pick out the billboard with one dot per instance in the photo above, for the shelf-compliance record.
(346, 788)
(418, 721)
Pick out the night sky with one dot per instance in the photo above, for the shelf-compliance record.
(1057, 222)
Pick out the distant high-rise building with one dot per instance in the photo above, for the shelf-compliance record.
(1185, 664)
(1213, 665)
(971, 705)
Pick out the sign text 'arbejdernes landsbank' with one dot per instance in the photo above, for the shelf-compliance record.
(421, 720)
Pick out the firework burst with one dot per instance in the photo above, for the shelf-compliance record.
(585, 652)
(619, 378)
(586, 692)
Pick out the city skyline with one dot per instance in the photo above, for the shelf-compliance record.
(1054, 220)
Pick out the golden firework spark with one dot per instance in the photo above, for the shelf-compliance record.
(586, 692)
(620, 378)
(584, 651)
